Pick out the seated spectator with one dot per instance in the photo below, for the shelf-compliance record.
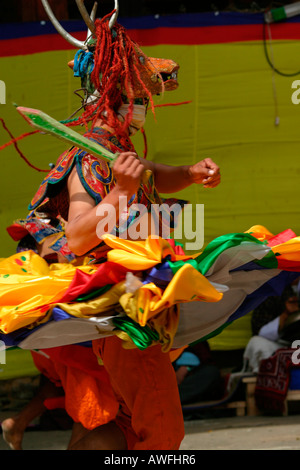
(268, 325)
(198, 377)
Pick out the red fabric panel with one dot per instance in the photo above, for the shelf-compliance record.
(151, 37)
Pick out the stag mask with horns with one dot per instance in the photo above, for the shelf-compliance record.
(157, 74)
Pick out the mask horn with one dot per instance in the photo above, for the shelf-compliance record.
(114, 17)
(75, 42)
(92, 16)
(89, 22)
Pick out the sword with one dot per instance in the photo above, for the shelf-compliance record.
(46, 124)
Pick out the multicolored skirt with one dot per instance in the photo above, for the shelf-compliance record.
(145, 292)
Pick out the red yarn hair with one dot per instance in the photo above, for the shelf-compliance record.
(114, 75)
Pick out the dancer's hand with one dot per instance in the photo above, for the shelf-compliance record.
(128, 171)
(205, 172)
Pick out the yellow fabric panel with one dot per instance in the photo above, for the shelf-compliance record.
(28, 286)
(141, 255)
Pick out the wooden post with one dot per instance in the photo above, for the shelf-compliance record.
(252, 409)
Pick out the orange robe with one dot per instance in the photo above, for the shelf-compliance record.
(144, 382)
(89, 398)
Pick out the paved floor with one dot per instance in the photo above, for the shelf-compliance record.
(245, 433)
(225, 433)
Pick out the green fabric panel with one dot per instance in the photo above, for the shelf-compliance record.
(217, 246)
(206, 259)
(94, 293)
(142, 336)
(176, 265)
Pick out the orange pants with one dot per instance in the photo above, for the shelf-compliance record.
(89, 398)
(145, 385)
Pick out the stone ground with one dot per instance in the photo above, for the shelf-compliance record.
(215, 430)
(219, 433)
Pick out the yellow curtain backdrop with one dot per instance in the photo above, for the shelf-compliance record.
(231, 119)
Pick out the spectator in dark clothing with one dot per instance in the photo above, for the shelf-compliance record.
(198, 377)
(276, 307)
(269, 322)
